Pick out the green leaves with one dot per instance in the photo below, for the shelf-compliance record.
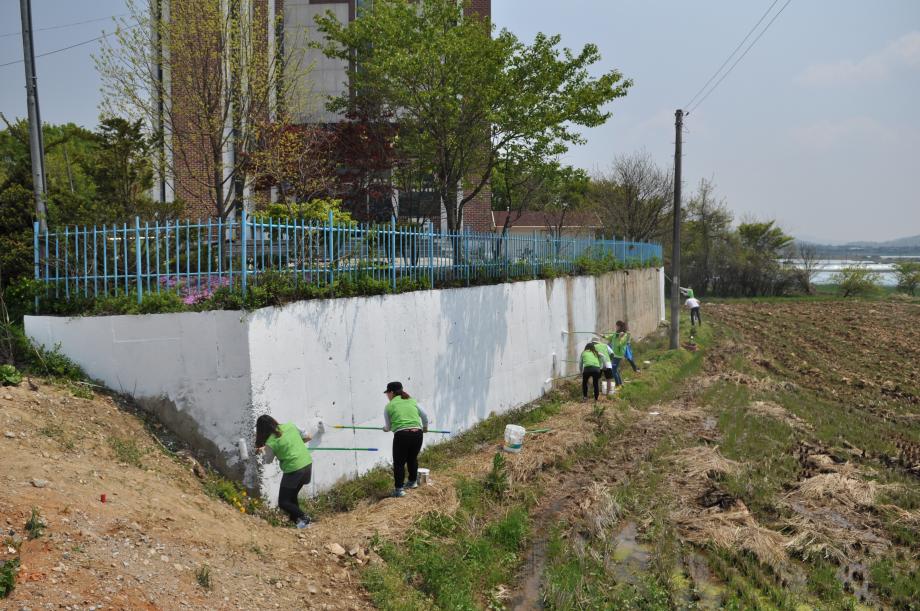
(461, 96)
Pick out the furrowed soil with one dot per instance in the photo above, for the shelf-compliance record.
(774, 465)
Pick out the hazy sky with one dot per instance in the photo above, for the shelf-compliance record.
(817, 127)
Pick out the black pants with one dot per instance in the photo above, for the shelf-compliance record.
(291, 483)
(695, 312)
(595, 374)
(406, 446)
(632, 363)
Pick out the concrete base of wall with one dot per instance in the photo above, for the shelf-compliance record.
(463, 353)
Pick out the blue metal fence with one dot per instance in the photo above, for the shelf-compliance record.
(195, 258)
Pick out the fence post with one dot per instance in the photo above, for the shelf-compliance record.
(35, 229)
(243, 236)
(430, 255)
(393, 252)
(533, 252)
(137, 257)
(330, 237)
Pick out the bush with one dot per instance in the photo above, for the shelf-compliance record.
(8, 569)
(908, 275)
(856, 280)
(9, 376)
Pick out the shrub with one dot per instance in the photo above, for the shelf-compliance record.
(9, 376)
(856, 280)
(8, 569)
(908, 276)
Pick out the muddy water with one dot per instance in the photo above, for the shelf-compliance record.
(630, 558)
(529, 596)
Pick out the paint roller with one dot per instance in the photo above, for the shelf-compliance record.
(379, 428)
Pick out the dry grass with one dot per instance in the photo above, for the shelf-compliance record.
(733, 528)
(598, 510)
(776, 411)
(841, 488)
(703, 462)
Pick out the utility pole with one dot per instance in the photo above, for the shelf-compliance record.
(675, 253)
(36, 144)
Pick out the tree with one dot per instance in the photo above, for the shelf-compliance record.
(706, 228)
(634, 197)
(200, 78)
(908, 276)
(807, 264)
(460, 96)
(297, 159)
(856, 280)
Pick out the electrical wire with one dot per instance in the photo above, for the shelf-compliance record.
(732, 54)
(66, 25)
(732, 67)
(67, 48)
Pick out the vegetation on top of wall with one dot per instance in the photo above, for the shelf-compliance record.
(273, 288)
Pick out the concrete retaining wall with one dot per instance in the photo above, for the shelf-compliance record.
(463, 353)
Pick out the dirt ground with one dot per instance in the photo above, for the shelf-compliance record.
(143, 547)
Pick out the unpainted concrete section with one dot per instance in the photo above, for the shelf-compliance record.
(463, 353)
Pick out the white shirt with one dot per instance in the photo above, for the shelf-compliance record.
(692, 302)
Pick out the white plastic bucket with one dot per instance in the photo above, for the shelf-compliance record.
(424, 476)
(514, 438)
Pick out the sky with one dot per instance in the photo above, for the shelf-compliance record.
(816, 127)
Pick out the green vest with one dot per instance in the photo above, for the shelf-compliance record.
(601, 348)
(290, 449)
(589, 360)
(618, 343)
(403, 414)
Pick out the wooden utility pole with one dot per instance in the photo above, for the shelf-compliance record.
(675, 253)
(36, 145)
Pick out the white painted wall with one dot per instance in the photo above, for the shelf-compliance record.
(463, 353)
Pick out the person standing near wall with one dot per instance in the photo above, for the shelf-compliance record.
(589, 364)
(286, 443)
(694, 304)
(618, 341)
(628, 353)
(408, 421)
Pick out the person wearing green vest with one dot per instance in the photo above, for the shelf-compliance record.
(286, 443)
(589, 364)
(607, 386)
(618, 341)
(408, 421)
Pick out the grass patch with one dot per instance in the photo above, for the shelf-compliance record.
(56, 432)
(451, 562)
(898, 582)
(8, 571)
(126, 451)
(345, 496)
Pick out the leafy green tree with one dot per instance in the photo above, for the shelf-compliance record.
(462, 96)
(908, 276)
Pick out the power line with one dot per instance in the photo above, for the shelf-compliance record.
(732, 67)
(66, 25)
(732, 54)
(73, 46)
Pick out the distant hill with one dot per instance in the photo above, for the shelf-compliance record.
(909, 242)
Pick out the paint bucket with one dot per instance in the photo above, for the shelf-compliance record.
(514, 437)
(424, 476)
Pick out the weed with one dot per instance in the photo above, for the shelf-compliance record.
(496, 482)
(35, 525)
(126, 451)
(203, 576)
(899, 584)
(8, 570)
(233, 494)
(56, 432)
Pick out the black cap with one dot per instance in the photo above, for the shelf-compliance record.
(394, 387)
